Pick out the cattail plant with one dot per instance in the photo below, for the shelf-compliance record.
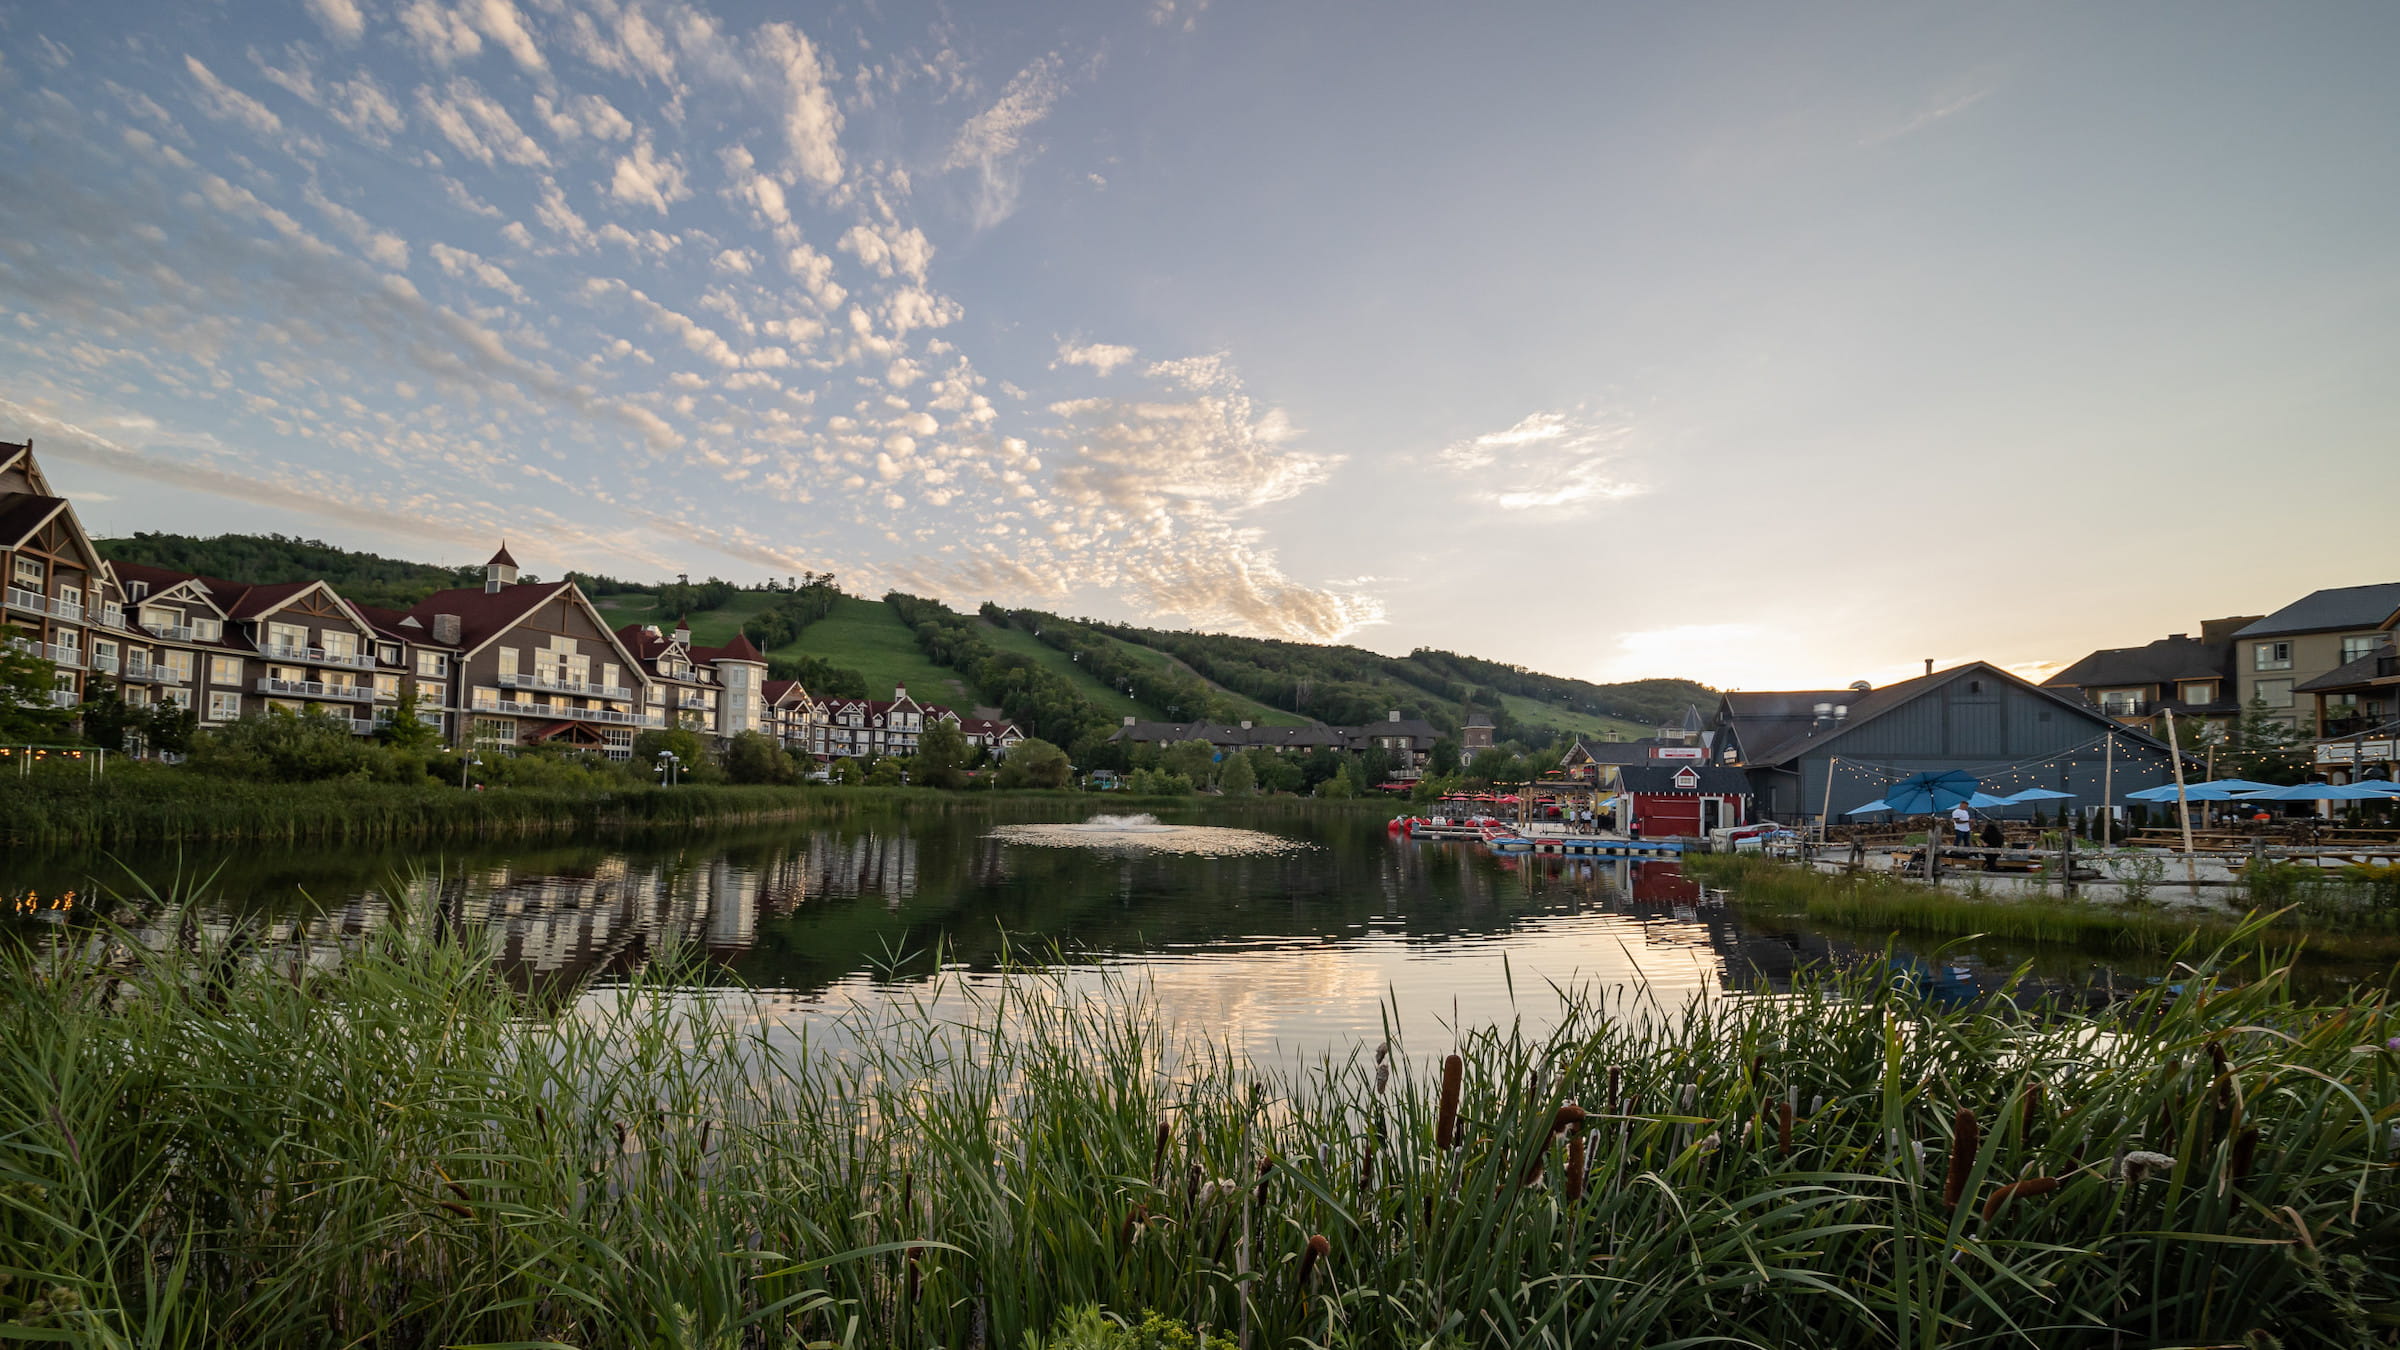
(1445, 1123)
(1966, 1134)
(2027, 1189)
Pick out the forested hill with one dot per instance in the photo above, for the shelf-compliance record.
(1351, 685)
(271, 559)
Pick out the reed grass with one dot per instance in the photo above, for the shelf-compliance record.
(1881, 903)
(228, 1145)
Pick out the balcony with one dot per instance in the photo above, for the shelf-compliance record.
(69, 657)
(172, 632)
(316, 689)
(318, 656)
(562, 712)
(2357, 721)
(557, 686)
(64, 698)
(106, 665)
(38, 603)
(165, 674)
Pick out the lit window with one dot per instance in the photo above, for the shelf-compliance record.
(2271, 656)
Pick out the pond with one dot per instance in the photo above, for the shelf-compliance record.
(1281, 930)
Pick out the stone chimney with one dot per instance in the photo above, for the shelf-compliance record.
(1245, 726)
(445, 629)
(1395, 714)
(1129, 719)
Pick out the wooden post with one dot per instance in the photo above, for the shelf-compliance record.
(2108, 789)
(1825, 812)
(2183, 811)
(2208, 812)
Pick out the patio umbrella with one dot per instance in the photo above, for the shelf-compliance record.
(2317, 792)
(1869, 809)
(2031, 795)
(2195, 792)
(1921, 792)
(1984, 801)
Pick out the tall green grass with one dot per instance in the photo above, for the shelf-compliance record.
(1883, 903)
(232, 1145)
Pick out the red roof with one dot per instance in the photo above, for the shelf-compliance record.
(740, 649)
(501, 559)
(482, 614)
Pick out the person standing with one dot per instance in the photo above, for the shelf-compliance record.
(1962, 824)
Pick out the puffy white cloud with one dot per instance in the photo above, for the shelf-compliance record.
(812, 122)
(439, 33)
(340, 19)
(1548, 461)
(992, 143)
(382, 246)
(478, 125)
(889, 250)
(582, 115)
(560, 218)
(1100, 356)
(226, 103)
(644, 179)
(360, 105)
(460, 263)
(500, 21)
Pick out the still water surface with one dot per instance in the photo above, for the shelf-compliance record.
(1303, 936)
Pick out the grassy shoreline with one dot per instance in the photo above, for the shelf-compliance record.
(1880, 903)
(153, 806)
(231, 1146)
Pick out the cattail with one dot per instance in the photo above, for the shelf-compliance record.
(916, 1273)
(541, 1120)
(2017, 1190)
(2136, 1167)
(1265, 1165)
(1383, 1067)
(908, 1182)
(1965, 1134)
(2245, 1151)
(1191, 1186)
(705, 1126)
(1783, 1129)
(1158, 1157)
(1454, 1079)
(1366, 1165)
(2029, 1105)
(1576, 1161)
(456, 1208)
(1758, 1065)
(1316, 1250)
(620, 1136)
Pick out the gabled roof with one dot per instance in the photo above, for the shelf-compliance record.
(216, 595)
(2338, 607)
(2357, 675)
(1621, 752)
(1712, 780)
(485, 614)
(2166, 661)
(501, 559)
(23, 513)
(1866, 707)
(740, 649)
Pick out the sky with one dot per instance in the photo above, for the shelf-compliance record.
(1765, 345)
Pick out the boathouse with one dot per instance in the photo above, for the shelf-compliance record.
(1976, 718)
(1681, 800)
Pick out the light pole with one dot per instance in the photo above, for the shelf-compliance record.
(667, 765)
(470, 762)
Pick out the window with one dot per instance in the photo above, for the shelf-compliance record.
(289, 636)
(181, 698)
(208, 630)
(72, 595)
(429, 694)
(28, 572)
(508, 662)
(495, 731)
(104, 654)
(2276, 693)
(340, 644)
(2271, 656)
(224, 705)
(2120, 702)
(178, 666)
(2363, 646)
(390, 653)
(2200, 691)
(612, 675)
(433, 663)
(387, 687)
(224, 670)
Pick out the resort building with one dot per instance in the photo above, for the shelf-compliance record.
(1811, 753)
(1409, 739)
(2358, 717)
(2314, 636)
(2179, 674)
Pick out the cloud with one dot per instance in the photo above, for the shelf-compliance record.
(1549, 461)
(360, 105)
(643, 179)
(384, 247)
(500, 21)
(1100, 356)
(812, 122)
(340, 19)
(993, 140)
(1962, 96)
(476, 123)
(891, 250)
(228, 104)
(441, 34)
(583, 115)
(460, 263)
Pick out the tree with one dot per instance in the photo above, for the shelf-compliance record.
(27, 712)
(2262, 745)
(1196, 760)
(278, 746)
(754, 757)
(941, 756)
(1444, 756)
(849, 772)
(1277, 773)
(888, 772)
(406, 730)
(107, 717)
(1237, 779)
(1035, 763)
(170, 728)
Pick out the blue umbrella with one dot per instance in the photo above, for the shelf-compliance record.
(1869, 809)
(2193, 792)
(2031, 795)
(2317, 792)
(1922, 792)
(1984, 801)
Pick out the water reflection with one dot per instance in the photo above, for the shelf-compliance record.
(1314, 946)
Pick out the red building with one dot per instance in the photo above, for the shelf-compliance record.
(1667, 801)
